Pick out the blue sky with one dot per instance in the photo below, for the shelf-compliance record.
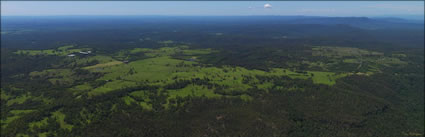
(209, 8)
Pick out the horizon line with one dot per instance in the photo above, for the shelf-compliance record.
(227, 15)
(406, 16)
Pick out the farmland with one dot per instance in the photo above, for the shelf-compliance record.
(168, 66)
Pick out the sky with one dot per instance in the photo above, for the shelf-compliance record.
(213, 8)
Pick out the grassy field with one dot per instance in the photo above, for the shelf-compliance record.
(128, 100)
(61, 51)
(100, 58)
(162, 69)
(51, 73)
(139, 95)
(55, 76)
(140, 50)
(166, 42)
(83, 87)
(38, 123)
(104, 65)
(390, 61)
(363, 61)
(192, 90)
(59, 116)
(110, 86)
(15, 114)
(342, 52)
(18, 100)
(3, 95)
(167, 65)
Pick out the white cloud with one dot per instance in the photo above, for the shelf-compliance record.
(267, 6)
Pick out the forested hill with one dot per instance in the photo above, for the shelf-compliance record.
(112, 31)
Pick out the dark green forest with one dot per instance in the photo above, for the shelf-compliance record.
(217, 76)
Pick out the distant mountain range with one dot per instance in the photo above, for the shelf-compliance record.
(360, 22)
(363, 22)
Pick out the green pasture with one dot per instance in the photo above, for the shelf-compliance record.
(342, 52)
(60, 118)
(55, 76)
(162, 70)
(18, 100)
(61, 51)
